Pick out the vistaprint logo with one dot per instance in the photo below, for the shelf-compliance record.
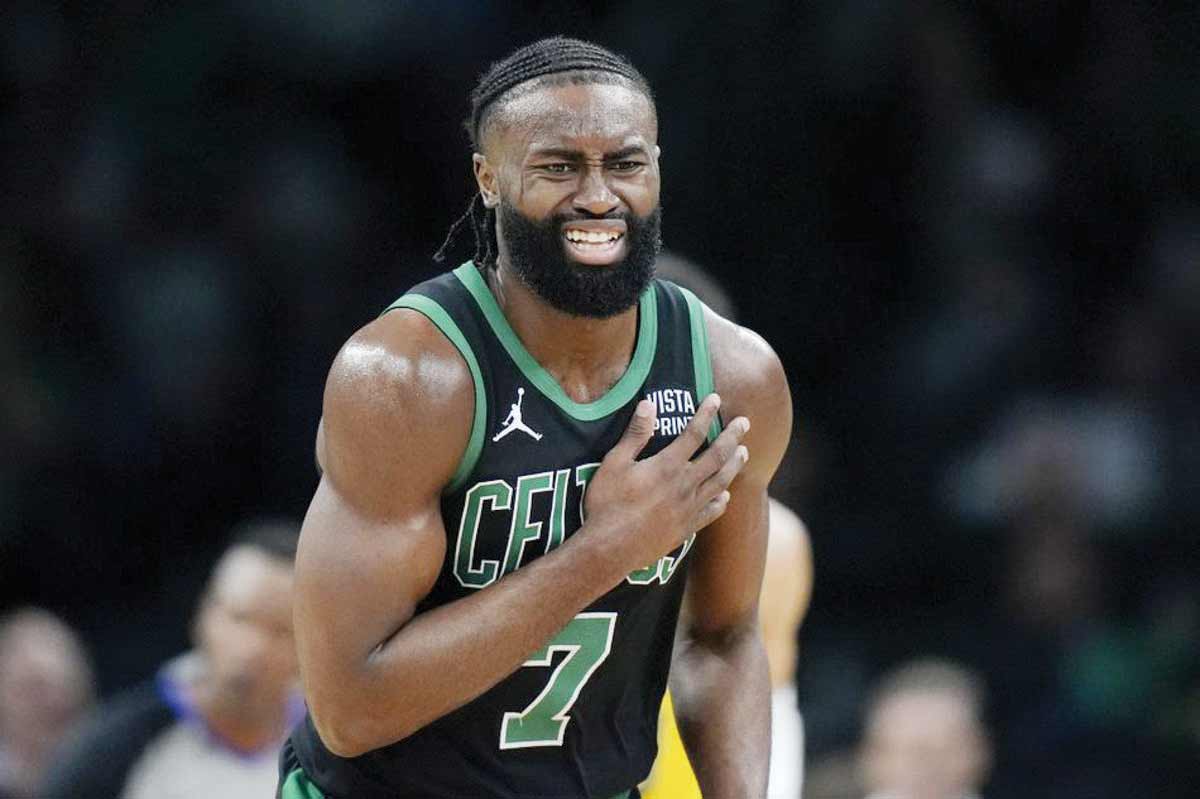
(675, 407)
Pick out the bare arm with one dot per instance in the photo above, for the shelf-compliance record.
(786, 591)
(719, 678)
(396, 404)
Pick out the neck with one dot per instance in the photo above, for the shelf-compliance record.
(586, 356)
(248, 728)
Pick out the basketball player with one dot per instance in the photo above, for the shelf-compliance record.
(488, 615)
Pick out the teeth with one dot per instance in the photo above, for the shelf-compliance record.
(591, 236)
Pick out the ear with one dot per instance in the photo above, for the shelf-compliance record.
(485, 177)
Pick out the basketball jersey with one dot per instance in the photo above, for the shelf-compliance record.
(578, 720)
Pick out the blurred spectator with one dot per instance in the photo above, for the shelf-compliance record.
(925, 736)
(45, 687)
(212, 721)
(1097, 458)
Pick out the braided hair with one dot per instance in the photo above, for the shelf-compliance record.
(554, 61)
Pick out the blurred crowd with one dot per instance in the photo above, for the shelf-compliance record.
(972, 232)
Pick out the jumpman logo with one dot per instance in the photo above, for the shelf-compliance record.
(513, 421)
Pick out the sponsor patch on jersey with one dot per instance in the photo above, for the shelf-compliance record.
(675, 407)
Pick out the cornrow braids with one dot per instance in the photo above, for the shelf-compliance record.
(553, 56)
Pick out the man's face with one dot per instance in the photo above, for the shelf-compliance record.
(573, 173)
(244, 630)
(923, 745)
(45, 684)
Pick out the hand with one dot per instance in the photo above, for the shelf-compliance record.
(648, 508)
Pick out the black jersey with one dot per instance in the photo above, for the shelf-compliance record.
(579, 718)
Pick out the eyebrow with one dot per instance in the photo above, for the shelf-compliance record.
(625, 152)
(575, 155)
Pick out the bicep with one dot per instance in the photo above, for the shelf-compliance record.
(727, 570)
(370, 572)
(725, 579)
(730, 554)
(373, 541)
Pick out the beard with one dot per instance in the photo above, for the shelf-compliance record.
(538, 256)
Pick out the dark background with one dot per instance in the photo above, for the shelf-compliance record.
(971, 231)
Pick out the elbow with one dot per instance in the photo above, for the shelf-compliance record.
(342, 737)
(724, 639)
(352, 732)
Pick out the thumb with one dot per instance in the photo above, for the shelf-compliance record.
(638, 433)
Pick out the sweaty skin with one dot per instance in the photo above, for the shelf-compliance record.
(374, 539)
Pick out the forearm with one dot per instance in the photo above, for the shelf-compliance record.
(445, 657)
(722, 695)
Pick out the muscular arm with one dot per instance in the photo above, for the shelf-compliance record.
(719, 679)
(396, 411)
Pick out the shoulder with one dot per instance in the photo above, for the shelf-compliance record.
(789, 552)
(788, 532)
(398, 388)
(745, 367)
(751, 381)
(96, 759)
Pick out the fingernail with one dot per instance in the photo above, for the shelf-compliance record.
(716, 401)
(644, 408)
(745, 425)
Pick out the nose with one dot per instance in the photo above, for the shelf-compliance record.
(254, 650)
(594, 196)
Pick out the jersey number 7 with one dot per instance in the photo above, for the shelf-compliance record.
(587, 640)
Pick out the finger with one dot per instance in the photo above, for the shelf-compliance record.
(720, 481)
(721, 450)
(713, 509)
(696, 432)
(637, 434)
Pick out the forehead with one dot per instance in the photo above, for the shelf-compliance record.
(248, 580)
(582, 116)
(922, 712)
(40, 644)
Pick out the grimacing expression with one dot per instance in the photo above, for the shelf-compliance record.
(536, 255)
(573, 170)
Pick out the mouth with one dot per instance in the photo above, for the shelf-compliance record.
(595, 243)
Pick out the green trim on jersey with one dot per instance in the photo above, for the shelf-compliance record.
(701, 360)
(617, 396)
(297, 786)
(435, 313)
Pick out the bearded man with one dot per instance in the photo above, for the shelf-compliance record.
(525, 463)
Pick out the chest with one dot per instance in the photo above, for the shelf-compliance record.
(528, 491)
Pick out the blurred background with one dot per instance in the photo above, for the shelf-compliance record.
(971, 231)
